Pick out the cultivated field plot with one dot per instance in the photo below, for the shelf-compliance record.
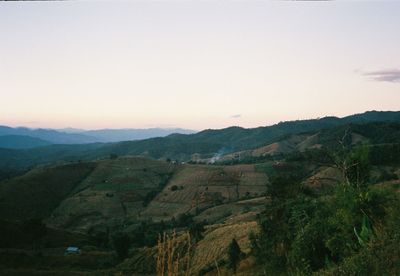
(128, 173)
(216, 241)
(242, 210)
(200, 186)
(114, 189)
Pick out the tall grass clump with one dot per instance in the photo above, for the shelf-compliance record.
(174, 255)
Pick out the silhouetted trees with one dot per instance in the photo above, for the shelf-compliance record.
(234, 255)
(121, 244)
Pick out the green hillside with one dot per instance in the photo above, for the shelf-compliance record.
(209, 142)
(21, 142)
(185, 147)
(90, 203)
(114, 191)
(382, 136)
(13, 159)
(83, 195)
(37, 193)
(320, 201)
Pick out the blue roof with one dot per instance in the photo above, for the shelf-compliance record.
(72, 248)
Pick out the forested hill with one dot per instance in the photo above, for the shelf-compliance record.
(236, 138)
(182, 147)
(21, 142)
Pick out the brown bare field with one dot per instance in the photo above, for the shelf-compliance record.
(201, 186)
(216, 240)
(324, 177)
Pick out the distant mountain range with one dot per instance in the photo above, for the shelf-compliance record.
(50, 135)
(23, 138)
(204, 144)
(117, 135)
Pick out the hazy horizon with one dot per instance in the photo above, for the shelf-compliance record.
(95, 65)
(72, 128)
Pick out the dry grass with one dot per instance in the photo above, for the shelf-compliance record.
(177, 256)
(325, 177)
(216, 241)
(299, 142)
(204, 186)
(113, 190)
(170, 259)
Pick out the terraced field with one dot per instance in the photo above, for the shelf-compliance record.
(100, 195)
(198, 187)
(79, 196)
(216, 241)
(114, 190)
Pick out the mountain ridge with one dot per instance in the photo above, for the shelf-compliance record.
(50, 135)
(81, 136)
(21, 142)
(204, 144)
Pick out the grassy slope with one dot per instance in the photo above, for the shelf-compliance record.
(37, 193)
(78, 196)
(201, 187)
(114, 190)
(78, 193)
(372, 133)
(216, 240)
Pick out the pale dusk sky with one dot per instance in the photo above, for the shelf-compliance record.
(197, 65)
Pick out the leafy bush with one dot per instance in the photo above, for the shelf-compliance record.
(302, 234)
(174, 188)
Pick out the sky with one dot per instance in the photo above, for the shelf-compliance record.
(197, 65)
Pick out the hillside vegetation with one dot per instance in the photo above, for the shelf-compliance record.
(322, 202)
(37, 193)
(204, 144)
(21, 142)
(80, 196)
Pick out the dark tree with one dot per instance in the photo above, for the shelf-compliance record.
(196, 230)
(358, 169)
(174, 188)
(113, 156)
(121, 243)
(234, 255)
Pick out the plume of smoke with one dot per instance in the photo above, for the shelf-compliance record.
(217, 155)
